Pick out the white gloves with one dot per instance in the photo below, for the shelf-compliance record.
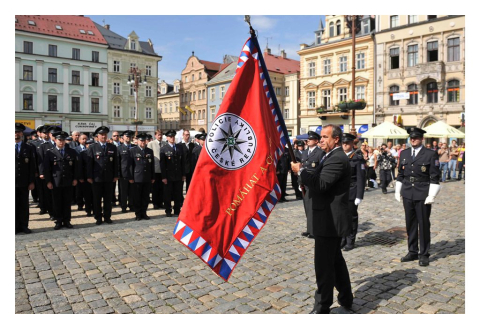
(432, 192)
(398, 188)
(357, 201)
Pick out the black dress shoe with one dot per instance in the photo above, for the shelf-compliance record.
(80, 207)
(42, 212)
(299, 198)
(138, 218)
(424, 261)
(89, 215)
(310, 236)
(144, 216)
(156, 207)
(68, 225)
(108, 221)
(169, 214)
(348, 247)
(409, 258)
(305, 234)
(384, 192)
(124, 210)
(26, 230)
(99, 222)
(58, 225)
(52, 218)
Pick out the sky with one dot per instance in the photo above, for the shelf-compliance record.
(211, 37)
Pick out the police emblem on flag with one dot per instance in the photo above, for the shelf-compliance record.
(231, 142)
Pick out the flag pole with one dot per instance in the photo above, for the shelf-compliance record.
(270, 87)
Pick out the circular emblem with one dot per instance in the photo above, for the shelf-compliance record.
(231, 142)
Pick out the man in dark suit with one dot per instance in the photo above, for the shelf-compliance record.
(80, 147)
(297, 151)
(126, 189)
(310, 161)
(418, 184)
(38, 182)
(172, 163)
(24, 179)
(61, 172)
(188, 147)
(357, 187)
(283, 167)
(86, 186)
(332, 220)
(102, 172)
(141, 175)
(200, 138)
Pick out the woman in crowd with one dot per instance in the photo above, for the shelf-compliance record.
(461, 162)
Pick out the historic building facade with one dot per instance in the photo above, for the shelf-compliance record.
(420, 59)
(168, 105)
(326, 75)
(124, 54)
(60, 72)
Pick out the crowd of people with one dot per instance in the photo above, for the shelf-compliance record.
(61, 170)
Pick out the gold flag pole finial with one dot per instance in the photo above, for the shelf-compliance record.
(247, 19)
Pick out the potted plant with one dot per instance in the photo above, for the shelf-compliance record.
(357, 104)
(320, 110)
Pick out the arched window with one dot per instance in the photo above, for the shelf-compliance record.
(339, 31)
(203, 114)
(393, 90)
(432, 93)
(413, 90)
(453, 91)
(332, 29)
(199, 114)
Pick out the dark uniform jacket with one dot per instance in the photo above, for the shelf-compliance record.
(102, 165)
(82, 163)
(60, 170)
(25, 165)
(357, 181)
(188, 149)
(330, 186)
(195, 155)
(142, 164)
(417, 175)
(298, 155)
(311, 162)
(172, 163)
(124, 160)
(283, 165)
(41, 150)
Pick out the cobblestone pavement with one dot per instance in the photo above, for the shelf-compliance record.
(138, 267)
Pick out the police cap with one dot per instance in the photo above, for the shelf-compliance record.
(171, 133)
(347, 137)
(69, 138)
(300, 143)
(415, 132)
(53, 129)
(202, 136)
(102, 130)
(90, 141)
(19, 127)
(149, 137)
(60, 135)
(313, 135)
(128, 133)
(141, 136)
(41, 128)
(34, 132)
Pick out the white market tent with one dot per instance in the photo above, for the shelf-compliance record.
(386, 130)
(442, 130)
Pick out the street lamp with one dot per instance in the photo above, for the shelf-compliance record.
(135, 78)
(353, 23)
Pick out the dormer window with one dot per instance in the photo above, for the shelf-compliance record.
(58, 27)
(90, 33)
(32, 23)
(82, 31)
(133, 45)
(16, 20)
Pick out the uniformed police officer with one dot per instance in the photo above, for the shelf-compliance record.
(357, 186)
(33, 142)
(188, 147)
(172, 163)
(299, 146)
(200, 140)
(141, 175)
(126, 190)
(310, 162)
(38, 182)
(102, 171)
(283, 167)
(61, 172)
(86, 186)
(418, 184)
(24, 179)
(49, 143)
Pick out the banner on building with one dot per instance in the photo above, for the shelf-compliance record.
(85, 126)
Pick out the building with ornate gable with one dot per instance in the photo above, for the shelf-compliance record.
(168, 105)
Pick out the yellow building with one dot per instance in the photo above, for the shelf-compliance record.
(421, 60)
(168, 105)
(326, 75)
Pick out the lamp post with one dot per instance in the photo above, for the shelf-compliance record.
(352, 21)
(135, 78)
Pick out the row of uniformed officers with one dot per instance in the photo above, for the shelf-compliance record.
(50, 165)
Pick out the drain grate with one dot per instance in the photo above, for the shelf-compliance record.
(389, 241)
(399, 232)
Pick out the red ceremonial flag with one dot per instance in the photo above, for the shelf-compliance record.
(234, 187)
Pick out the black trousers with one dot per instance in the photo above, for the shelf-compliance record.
(350, 239)
(22, 213)
(114, 186)
(126, 194)
(294, 179)
(331, 271)
(460, 170)
(62, 203)
(41, 194)
(282, 181)
(79, 195)
(385, 178)
(35, 193)
(417, 218)
(173, 189)
(87, 196)
(47, 199)
(141, 192)
(157, 191)
(188, 177)
(102, 190)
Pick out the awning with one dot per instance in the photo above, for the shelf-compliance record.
(440, 130)
(386, 130)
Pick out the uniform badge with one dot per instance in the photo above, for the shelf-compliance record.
(149, 160)
(424, 169)
(26, 160)
(70, 162)
(313, 164)
(111, 158)
(362, 166)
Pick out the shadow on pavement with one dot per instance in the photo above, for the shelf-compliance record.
(444, 249)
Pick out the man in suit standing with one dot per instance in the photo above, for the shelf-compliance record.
(157, 191)
(125, 187)
(418, 184)
(283, 167)
(297, 151)
(188, 148)
(172, 162)
(86, 187)
(357, 187)
(24, 179)
(82, 139)
(332, 220)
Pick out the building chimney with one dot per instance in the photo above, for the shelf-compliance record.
(107, 26)
(283, 54)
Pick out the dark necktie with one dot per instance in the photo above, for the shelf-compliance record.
(174, 148)
(413, 156)
(323, 158)
(62, 152)
(103, 147)
(16, 149)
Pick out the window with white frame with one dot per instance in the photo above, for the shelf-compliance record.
(171, 107)
(287, 91)
(116, 111)
(342, 94)
(212, 93)
(132, 112)
(412, 55)
(176, 106)
(199, 75)
(176, 88)
(95, 105)
(148, 112)
(148, 70)
(148, 91)
(311, 100)
(394, 58)
(116, 66)
(412, 19)
(311, 69)
(331, 28)
(326, 67)
(394, 21)
(186, 79)
(343, 64)
(453, 49)
(286, 113)
(361, 60)
(116, 88)
(222, 91)
(203, 94)
(366, 26)
(212, 113)
(359, 92)
(75, 104)
(326, 98)
(432, 51)
(278, 91)
(133, 45)
(164, 90)
(166, 108)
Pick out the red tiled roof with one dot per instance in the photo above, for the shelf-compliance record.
(211, 66)
(70, 24)
(281, 65)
